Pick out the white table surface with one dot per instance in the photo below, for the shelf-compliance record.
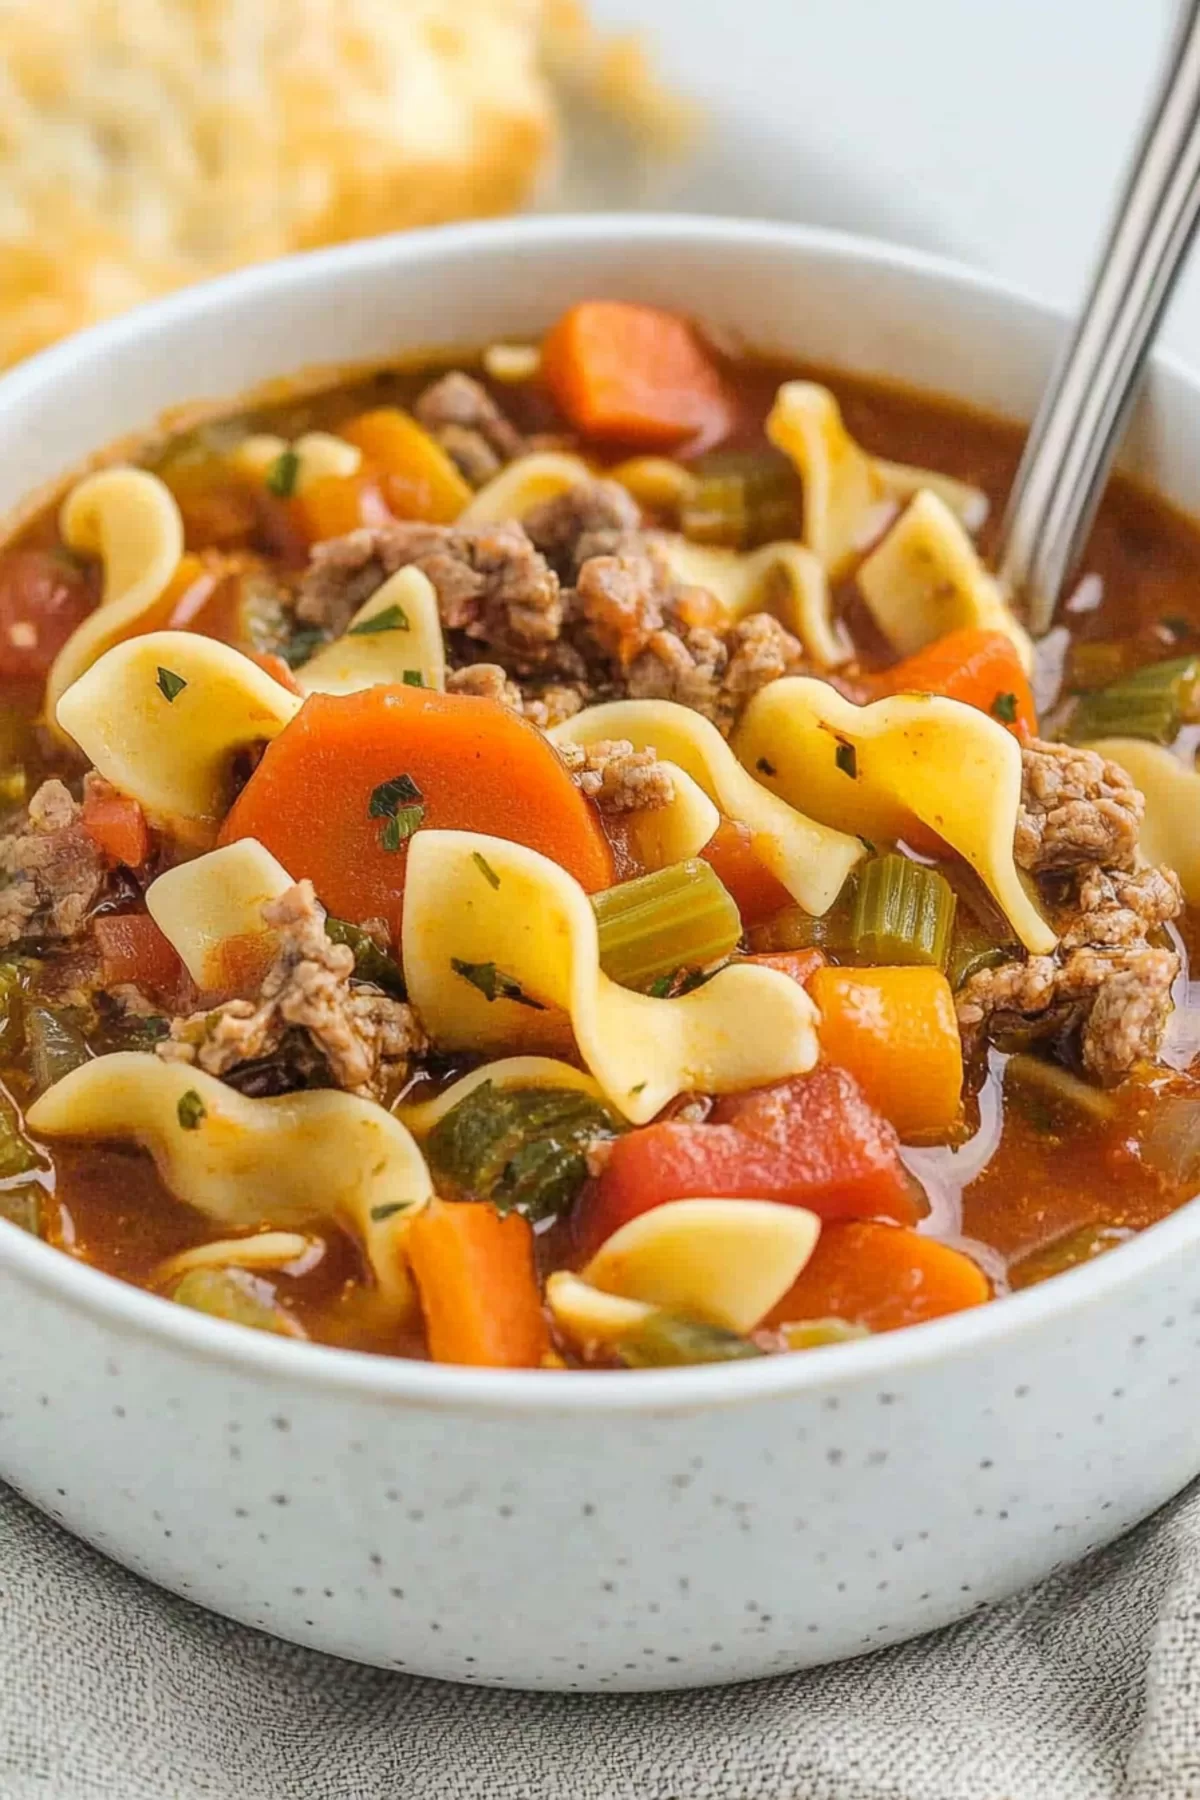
(993, 130)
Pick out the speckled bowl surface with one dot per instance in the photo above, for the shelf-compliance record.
(593, 1531)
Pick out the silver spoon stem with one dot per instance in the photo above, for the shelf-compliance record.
(1078, 427)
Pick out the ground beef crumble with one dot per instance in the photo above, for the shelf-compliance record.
(361, 1038)
(51, 869)
(460, 413)
(618, 777)
(594, 518)
(545, 707)
(1078, 829)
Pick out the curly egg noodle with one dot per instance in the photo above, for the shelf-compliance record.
(171, 746)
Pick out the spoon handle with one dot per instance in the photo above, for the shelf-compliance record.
(1078, 427)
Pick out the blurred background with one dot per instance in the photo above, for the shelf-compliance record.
(157, 142)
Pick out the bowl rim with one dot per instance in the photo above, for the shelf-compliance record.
(136, 1312)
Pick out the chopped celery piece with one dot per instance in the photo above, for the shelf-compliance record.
(12, 991)
(17, 1154)
(1152, 703)
(741, 498)
(524, 1149)
(56, 1046)
(1049, 1096)
(1066, 1252)
(680, 917)
(794, 929)
(903, 913)
(239, 1297)
(814, 1334)
(666, 1341)
(21, 1205)
(370, 962)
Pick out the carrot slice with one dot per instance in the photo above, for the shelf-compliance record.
(116, 825)
(479, 1291)
(981, 668)
(418, 478)
(475, 765)
(133, 949)
(757, 894)
(883, 1277)
(634, 374)
(896, 1032)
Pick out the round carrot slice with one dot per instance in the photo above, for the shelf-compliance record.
(883, 1277)
(341, 790)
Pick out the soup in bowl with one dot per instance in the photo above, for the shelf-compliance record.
(561, 859)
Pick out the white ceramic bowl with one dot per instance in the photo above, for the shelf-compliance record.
(593, 1530)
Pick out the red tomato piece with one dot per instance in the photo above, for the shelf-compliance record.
(42, 600)
(757, 893)
(134, 949)
(813, 1142)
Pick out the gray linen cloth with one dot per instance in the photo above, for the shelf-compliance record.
(1086, 1688)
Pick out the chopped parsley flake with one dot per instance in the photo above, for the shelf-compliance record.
(169, 684)
(387, 1210)
(867, 845)
(302, 644)
(413, 678)
(658, 990)
(493, 983)
(846, 758)
(191, 1110)
(764, 767)
(282, 474)
(392, 618)
(401, 805)
(485, 869)
(1004, 707)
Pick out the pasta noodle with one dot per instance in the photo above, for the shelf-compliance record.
(285, 1161)
(727, 1262)
(525, 483)
(397, 634)
(811, 860)
(161, 716)
(912, 757)
(481, 961)
(844, 486)
(130, 520)
(926, 578)
(200, 905)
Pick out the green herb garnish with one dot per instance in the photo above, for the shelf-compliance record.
(392, 618)
(387, 1210)
(493, 983)
(485, 869)
(282, 474)
(1004, 708)
(401, 805)
(413, 678)
(302, 644)
(846, 758)
(169, 684)
(191, 1110)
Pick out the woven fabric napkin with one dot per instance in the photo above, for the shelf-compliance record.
(1086, 1688)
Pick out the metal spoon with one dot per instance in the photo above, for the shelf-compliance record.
(1079, 423)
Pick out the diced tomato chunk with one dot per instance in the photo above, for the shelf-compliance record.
(756, 892)
(798, 965)
(813, 1142)
(42, 600)
(116, 824)
(134, 950)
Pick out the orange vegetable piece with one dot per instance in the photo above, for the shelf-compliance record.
(418, 478)
(116, 825)
(797, 965)
(478, 1285)
(981, 668)
(276, 668)
(478, 768)
(896, 1032)
(757, 893)
(337, 504)
(881, 1276)
(133, 949)
(634, 374)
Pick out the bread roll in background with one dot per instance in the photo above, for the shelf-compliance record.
(149, 143)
